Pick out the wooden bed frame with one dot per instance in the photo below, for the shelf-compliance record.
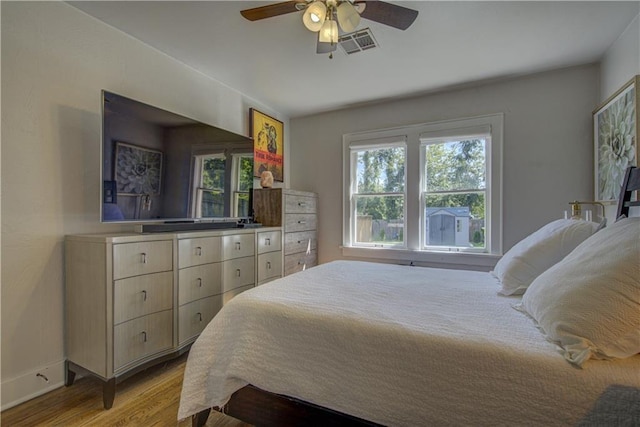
(258, 407)
(255, 406)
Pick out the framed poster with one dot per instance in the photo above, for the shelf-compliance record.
(615, 136)
(138, 170)
(268, 144)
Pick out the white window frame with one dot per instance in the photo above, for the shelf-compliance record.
(413, 235)
(392, 142)
(426, 140)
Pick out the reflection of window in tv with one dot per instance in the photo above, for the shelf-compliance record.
(242, 167)
(210, 184)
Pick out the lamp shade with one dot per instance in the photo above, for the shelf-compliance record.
(329, 32)
(314, 16)
(348, 16)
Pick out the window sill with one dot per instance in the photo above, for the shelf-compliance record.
(458, 260)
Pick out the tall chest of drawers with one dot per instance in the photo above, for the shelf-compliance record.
(296, 212)
(133, 300)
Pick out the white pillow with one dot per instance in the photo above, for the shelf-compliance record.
(589, 303)
(537, 252)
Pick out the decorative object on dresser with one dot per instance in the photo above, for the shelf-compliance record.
(266, 179)
(296, 212)
(134, 300)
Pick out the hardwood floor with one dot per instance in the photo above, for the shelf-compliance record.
(149, 398)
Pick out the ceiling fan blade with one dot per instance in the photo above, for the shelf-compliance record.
(389, 14)
(271, 10)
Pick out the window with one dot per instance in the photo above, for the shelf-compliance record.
(379, 195)
(454, 192)
(428, 192)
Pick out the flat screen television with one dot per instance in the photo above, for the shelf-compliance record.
(159, 166)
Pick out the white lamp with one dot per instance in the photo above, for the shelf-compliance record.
(329, 32)
(348, 16)
(314, 16)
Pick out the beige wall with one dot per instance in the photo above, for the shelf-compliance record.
(547, 146)
(55, 61)
(621, 61)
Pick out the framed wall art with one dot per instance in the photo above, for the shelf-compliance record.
(138, 170)
(615, 135)
(268, 144)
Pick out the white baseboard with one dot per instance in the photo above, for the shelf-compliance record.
(29, 385)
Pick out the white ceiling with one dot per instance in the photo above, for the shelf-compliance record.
(451, 43)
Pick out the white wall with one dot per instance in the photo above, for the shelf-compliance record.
(621, 61)
(547, 146)
(55, 61)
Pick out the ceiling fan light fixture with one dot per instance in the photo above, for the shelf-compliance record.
(329, 32)
(314, 16)
(348, 16)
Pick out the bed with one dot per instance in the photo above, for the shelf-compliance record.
(359, 343)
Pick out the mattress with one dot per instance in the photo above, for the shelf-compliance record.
(396, 345)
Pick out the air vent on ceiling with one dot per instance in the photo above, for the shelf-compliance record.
(357, 41)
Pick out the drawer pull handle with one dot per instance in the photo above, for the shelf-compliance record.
(144, 258)
(300, 262)
(267, 241)
(299, 241)
(144, 295)
(268, 265)
(199, 251)
(199, 282)
(199, 316)
(238, 246)
(238, 272)
(302, 204)
(302, 222)
(144, 336)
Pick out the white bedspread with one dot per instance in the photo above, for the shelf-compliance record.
(395, 345)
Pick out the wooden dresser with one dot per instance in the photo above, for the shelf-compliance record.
(132, 300)
(296, 212)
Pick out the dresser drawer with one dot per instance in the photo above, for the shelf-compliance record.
(193, 317)
(135, 259)
(199, 282)
(298, 262)
(302, 241)
(238, 272)
(299, 222)
(142, 337)
(141, 295)
(269, 241)
(299, 204)
(197, 251)
(269, 265)
(238, 246)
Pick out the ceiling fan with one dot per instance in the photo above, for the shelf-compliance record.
(329, 17)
